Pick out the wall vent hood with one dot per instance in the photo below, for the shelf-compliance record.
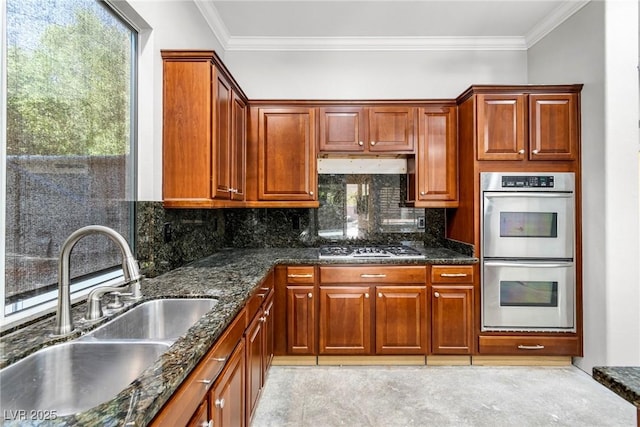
(377, 165)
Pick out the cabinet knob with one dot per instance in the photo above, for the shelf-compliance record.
(373, 143)
(535, 151)
(436, 294)
(219, 403)
(379, 294)
(207, 423)
(360, 143)
(521, 151)
(423, 193)
(366, 294)
(310, 295)
(311, 193)
(263, 319)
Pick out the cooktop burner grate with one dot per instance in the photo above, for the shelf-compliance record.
(369, 251)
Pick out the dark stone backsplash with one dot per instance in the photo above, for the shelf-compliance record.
(196, 233)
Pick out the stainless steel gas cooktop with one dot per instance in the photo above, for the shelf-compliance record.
(369, 251)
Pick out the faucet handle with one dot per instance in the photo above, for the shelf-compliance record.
(117, 303)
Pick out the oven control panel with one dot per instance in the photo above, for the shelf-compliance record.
(530, 181)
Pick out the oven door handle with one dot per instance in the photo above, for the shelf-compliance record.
(550, 195)
(528, 264)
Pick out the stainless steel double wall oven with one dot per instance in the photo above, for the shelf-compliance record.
(528, 247)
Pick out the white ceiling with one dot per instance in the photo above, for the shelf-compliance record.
(384, 24)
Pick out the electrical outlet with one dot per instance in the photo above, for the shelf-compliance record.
(421, 223)
(167, 232)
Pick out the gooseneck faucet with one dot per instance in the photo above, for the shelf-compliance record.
(131, 274)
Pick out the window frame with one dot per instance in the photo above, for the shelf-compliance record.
(80, 288)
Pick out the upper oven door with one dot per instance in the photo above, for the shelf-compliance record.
(528, 225)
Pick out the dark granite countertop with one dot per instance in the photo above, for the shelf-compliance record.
(623, 380)
(230, 276)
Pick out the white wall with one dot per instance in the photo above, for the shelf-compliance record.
(598, 47)
(163, 25)
(371, 74)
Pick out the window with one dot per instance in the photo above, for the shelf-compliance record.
(67, 146)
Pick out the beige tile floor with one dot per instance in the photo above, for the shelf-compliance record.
(326, 396)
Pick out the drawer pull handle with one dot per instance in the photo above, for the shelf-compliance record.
(263, 319)
(220, 359)
(207, 423)
(453, 274)
(205, 382)
(530, 347)
(298, 276)
(219, 403)
(373, 276)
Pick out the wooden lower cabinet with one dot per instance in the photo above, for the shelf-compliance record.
(401, 320)
(345, 320)
(529, 345)
(452, 319)
(259, 353)
(227, 397)
(301, 320)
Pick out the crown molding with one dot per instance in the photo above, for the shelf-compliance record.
(553, 20)
(215, 22)
(374, 43)
(229, 43)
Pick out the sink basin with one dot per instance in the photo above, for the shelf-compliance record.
(74, 376)
(158, 320)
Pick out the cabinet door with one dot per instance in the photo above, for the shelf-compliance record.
(267, 346)
(227, 397)
(238, 147)
(452, 319)
(553, 126)
(222, 161)
(345, 320)
(301, 320)
(401, 320)
(391, 129)
(186, 138)
(287, 154)
(500, 127)
(254, 362)
(342, 129)
(437, 156)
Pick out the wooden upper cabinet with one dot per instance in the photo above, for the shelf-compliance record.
(528, 126)
(343, 129)
(382, 129)
(287, 154)
(203, 131)
(553, 126)
(436, 162)
(501, 127)
(391, 129)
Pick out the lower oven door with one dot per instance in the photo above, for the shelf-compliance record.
(528, 296)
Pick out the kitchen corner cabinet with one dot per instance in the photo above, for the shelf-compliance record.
(204, 128)
(287, 154)
(452, 302)
(530, 125)
(433, 173)
(359, 129)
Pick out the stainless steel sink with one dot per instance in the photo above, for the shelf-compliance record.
(74, 376)
(158, 320)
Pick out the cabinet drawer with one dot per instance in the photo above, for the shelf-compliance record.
(373, 274)
(301, 274)
(530, 345)
(452, 274)
(187, 399)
